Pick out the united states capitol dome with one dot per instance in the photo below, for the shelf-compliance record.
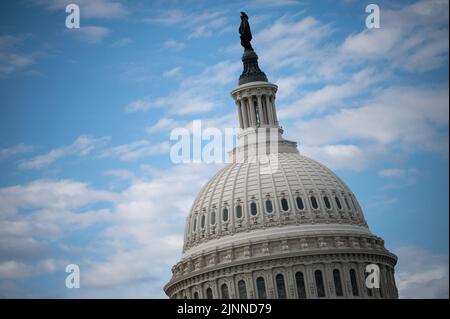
(299, 193)
(274, 223)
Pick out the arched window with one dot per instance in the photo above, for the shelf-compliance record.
(319, 284)
(261, 288)
(353, 282)
(253, 209)
(314, 202)
(224, 290)
(269, 206)
(257, 115)
(213, 217)
(327, 202)
(281, 287)
(347, 204)
(196, 295)
(209, 293)
(238, 211)
(337, 283)
(225, 214)
(202, 222)
(242, 289)
(300, 281)
(284, 204)
(299, 202)
(338, 202)
(194, 228)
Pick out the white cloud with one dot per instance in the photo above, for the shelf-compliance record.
(339, 156)
(37, 214)
(332, 95)
(140, 240)
(49, 195)
(196, 94)
(90, 34)
(185, 102)
(173, 44)
(292, 43)
(151, 215)
(11, 59)
(421, 273)
(88, 8)
(140, 105)
(172, 72)
(12, 269)
(82, 146)
(397, 172)
(15, 150)
(413, 37)
(164, 124)
(199, 25)
(122, 174)
(404, 119)
(121, 42)
(136, 150)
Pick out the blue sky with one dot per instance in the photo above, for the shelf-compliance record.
(85, 118)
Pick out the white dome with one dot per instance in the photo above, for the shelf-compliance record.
(296, 182)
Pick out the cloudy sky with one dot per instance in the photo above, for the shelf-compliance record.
(86, 114)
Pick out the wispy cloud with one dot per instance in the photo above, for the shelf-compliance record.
(164, 124)
(12, 59)
(412, 38)
(82, 146)
(404, 119)
(397, 172)
(199, 25)
(90, 34)
(9, 152)
(136, 150)
(196, 94)
(399, 177)
(121, 42)
(422, 273)
(173, 44)
(172, 72)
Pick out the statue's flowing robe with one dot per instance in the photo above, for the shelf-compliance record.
(246, 34)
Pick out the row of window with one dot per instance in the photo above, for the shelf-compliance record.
(300, 285)
(269, 208)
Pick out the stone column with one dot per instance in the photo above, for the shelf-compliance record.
(262, 119)
(269, 111)
(274, 110)
(362, 278)
(252, 111)
(244, 114)
(238, 105)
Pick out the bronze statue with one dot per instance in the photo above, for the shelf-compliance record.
(245, 32)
